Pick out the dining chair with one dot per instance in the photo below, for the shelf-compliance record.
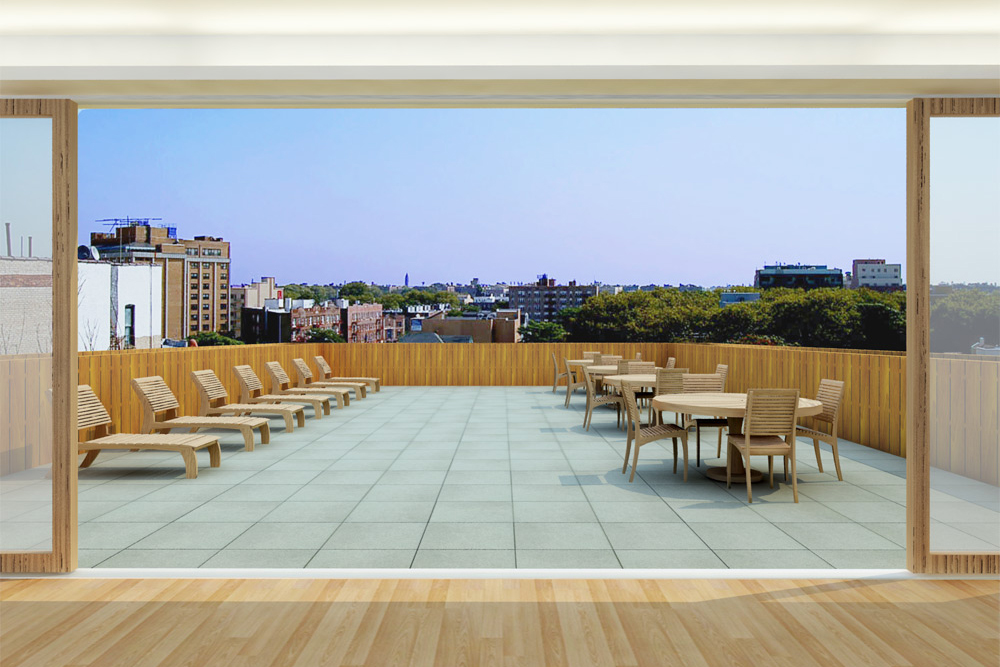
(668, 381)
(830, 394)
(595, 400)
(572, 382)
(556, 375)
(697, 383)
(720, 423)
(671, 363)
(592, 355)
(608, 359)
(768, 430)
(642, 435)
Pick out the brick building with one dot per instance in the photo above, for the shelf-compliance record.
(249, 296)
(25, 305)
(195, 279)
(362, 323)
(323, 316)
(394, 324)
(544, 299)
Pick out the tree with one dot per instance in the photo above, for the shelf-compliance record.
(739, 321)
(318, 335)
(543, 331)
(359, 291)
(963, 316)
(391, 301)
(213, 338)
(882, 327)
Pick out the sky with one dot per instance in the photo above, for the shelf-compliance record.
(620, 196)
(26, 185)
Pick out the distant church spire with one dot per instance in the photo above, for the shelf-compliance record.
(406, 280)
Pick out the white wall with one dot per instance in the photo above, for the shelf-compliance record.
(93, 306)
(137, 285)
(141, 286)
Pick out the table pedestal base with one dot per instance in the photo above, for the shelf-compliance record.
(719, 475)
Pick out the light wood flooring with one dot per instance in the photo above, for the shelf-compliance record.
(531, 623)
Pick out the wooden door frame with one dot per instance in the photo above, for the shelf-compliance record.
(919, 557)
(63, 557)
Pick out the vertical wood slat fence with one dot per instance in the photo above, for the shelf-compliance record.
(25, 412)
(873, 411)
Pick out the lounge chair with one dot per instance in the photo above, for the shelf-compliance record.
(157, 400)
(305, 377)
(214, 397)
(282, 384)
(252, 391)
(375, 384)
(92, 415)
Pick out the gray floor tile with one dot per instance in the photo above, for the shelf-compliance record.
(158, 558)
(258, 492)
(148, 512)
(486, 511)
(894, 532)
(987, 532)
(714, 512)
(637, 492)
(403, 492)
(260, 558)
(547, 493)
(700, 491)
(747, 536)
(634, 512)
(771, 559)
(468, 536)
(348, 477)
(870, 511)
(183, 492)
(834, 491)
(110, 535)
(284, 536)
(116, 492)
(567, 558)
(283, 477)
(87, 558)
(465, 558)
(665, 559)
(463, 492)
(362, 558)
(372, 511)
(554, 512)
(659, 536)
(864, 559)
(330, 493)
(346, 464)
(478, 477)
(801, 512)
(535, 536)
(376, 536)
(835, 536)
(408, 477)
(228, 512)
(191, 535)
(520, 477)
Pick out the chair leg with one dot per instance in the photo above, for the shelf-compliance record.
(628, 449)
(718, 449)
(675, 455)
(748, 475)
(635, 461)
(770, 470)
(819, 459)
(836, 460)
(795, 481)
(247, 437)
(301, 416)
(215, 454)
(89, 458)
(729, 471)
(265, 433)
(684, 444)
(190, 463)
(289, 424)
(785, 460)
(697, 445)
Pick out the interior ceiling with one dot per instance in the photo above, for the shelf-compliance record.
(449, 17)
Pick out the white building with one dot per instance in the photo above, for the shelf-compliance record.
(876, 274)
(119, 306)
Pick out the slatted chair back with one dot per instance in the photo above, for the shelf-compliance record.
(623, 366)
(324, 368)
(592, 355)
(696, 383)
(638, 356)
(90, 412)
(250, 384)
(588, 382)
(641, 367)
(723, 370)
(608, 359)
(830, 394)
(302, 369)
(210, 390)
(671, 363)
(631, 407)
(156, 398)
(279, 378)
(670, 380)
(555, 363)
(771, 412)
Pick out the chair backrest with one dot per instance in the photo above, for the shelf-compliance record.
(90, 412)
(632, 418)
(324, 368)
(641, 367)
(302, 370)
(588, 382)
(771, 412)
(670, 380)
(210, 389)
(830, 394)
(608, 359)
(702, 382)
(279, 378)
(623, 366)
(250, 384)
(671, 362)
(156, 397)
(638, 356)
(589, 355)
(723, 370)
(555, 362)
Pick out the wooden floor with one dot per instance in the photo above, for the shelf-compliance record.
(534, 623)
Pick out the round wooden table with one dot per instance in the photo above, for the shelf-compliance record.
(631, 379)
(731, 406)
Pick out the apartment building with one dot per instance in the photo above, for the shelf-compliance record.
(805, 276)
(544, 299)
(875, 274)
(249, 296)
(394, 323)
(362, 323)
(322, 316)
(195, 279)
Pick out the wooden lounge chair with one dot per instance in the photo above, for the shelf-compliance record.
(252, 391)
(830, 394)
(305, 377)
(375, 384)
(157, 400)
(92, 415)
(214, 397)
(282, 384)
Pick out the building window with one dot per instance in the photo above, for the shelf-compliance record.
(191, 251)
(194, 286)
(206, 265)
(205, 317)
(206, 286)
(206, 296)
(194, 316)
(195, 275)
(130, 325)
(205, 306)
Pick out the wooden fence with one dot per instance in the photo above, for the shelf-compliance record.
(25, 412)
(873, 411)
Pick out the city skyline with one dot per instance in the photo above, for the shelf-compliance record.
(700, 196)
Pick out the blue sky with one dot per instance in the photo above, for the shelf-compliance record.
(26, 184)
(701, 196)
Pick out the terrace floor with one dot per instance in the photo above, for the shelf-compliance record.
(479, 477)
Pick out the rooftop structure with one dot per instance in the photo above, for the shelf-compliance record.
(805, 276)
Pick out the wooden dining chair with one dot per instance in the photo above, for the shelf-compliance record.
(593, 355)
(668, 381)
(697, 383)
(556, 375)
(671, 363)
(720, 423)
(609, 359)
(595, 400)
(830, 394)
(643, 435)
(768, 430)
(572, 381)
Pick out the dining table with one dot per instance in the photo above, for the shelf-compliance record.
(733, 407)
(631, 380)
